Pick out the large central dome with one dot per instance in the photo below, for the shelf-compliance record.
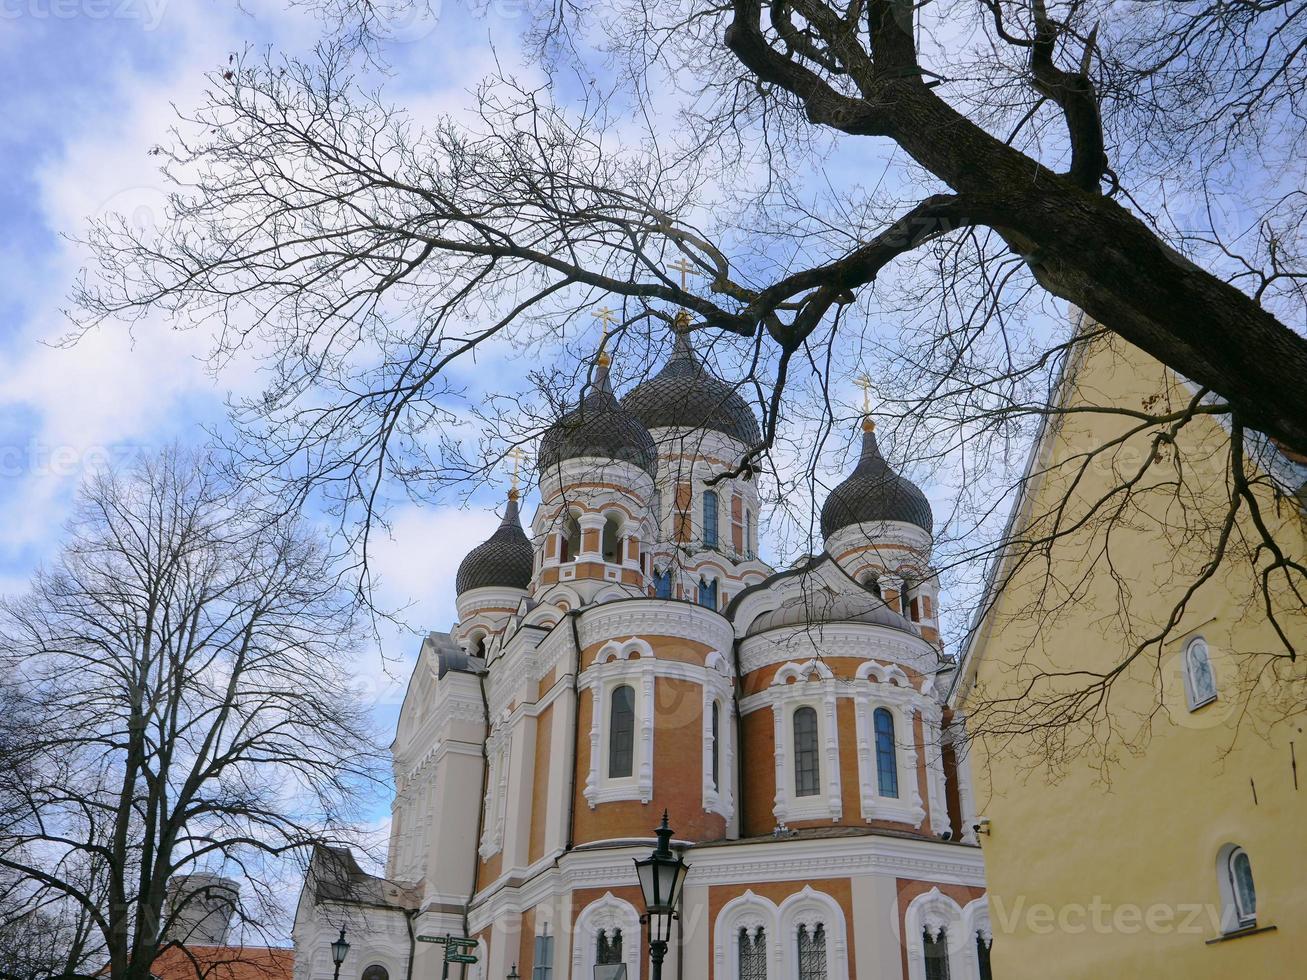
(685, 395)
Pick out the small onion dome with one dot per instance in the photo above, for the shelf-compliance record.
(873, 492)
(503, 560)
(599, 427)
(826, 606)
(685, 394)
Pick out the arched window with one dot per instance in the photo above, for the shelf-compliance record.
(982, 956)
(812, 952)
(1200, 682)
(707, 592)
(871, 582)
(612, 541)
(710, 519)
(376, 972)
(663, 583)
(1243, 895)
(807, 772)
(571, 543)
(753, 954)
(936, 953)
(608, 948)
(621, 732)
(716, 747)
(887, 766)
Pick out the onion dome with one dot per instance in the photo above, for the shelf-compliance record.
(599, 427)
(827, 606)
(684, 394)
(502, 561)
(873, 492)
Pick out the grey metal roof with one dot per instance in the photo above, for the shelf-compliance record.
(685, 394)
(503, 560)
(599, 427)
(874, 492)
(825, 606)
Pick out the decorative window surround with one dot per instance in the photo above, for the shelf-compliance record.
(792, 688)
(606, 914)
(717, 690)
(781, 925)
(496, 804)
(907, 806)
(1199, 678)
(611, 669)
(935, 911)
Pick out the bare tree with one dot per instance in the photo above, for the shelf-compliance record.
(878, 185)
(188, 657)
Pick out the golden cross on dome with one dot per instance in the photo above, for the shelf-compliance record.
(516, 455)
(605, 316)
(865, 383)
(685, 269)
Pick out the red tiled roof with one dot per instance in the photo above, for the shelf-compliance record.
(224, 963)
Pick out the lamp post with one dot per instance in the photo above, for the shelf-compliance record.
(661, 875)
(513, 974)
(338, 950)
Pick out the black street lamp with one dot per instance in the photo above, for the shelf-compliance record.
(338, 950)
(662, 874)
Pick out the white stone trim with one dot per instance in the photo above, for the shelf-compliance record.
(717, 690)
(747, 911)
(934, 910)
(604, 915)
(613, 668)
(809, 908)
(906, 807)
(856, 641)
(793, 688)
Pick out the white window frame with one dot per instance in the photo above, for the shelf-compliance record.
(605, 914)
(614, 667)
(794, 687)
(810, 908)
(1232, 919)
(747, 911)
(887, 686)
(1195, 699)
(934, 910)
(717, 689)
(499, 754)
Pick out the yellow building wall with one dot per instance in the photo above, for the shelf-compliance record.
(1104, 836)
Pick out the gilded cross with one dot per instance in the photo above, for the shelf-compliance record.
(607, 317)
(866, 385)
(685, 269)
(516, 455)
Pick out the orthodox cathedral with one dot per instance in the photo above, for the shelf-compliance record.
(629, 654)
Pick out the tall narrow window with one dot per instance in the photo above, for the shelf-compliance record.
(621, 732)
(1240, 870)
(812, 952)
(571, 544)
(663, 583)
(982, 956)
(542, 967)
(936, 953)
(716, 747)
(887, 765)
(748, 534)
(707, 592)
(608, 951)
(612, 540)
(753, 954)
(710, 519)
(807, 774)
(1200, 682)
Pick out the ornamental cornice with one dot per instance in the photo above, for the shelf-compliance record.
(655, 617)
(878, 534)
(862, 641)
(590, 478)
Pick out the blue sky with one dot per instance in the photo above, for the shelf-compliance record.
(86, 87)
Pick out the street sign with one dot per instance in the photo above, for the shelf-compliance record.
(455, 948)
